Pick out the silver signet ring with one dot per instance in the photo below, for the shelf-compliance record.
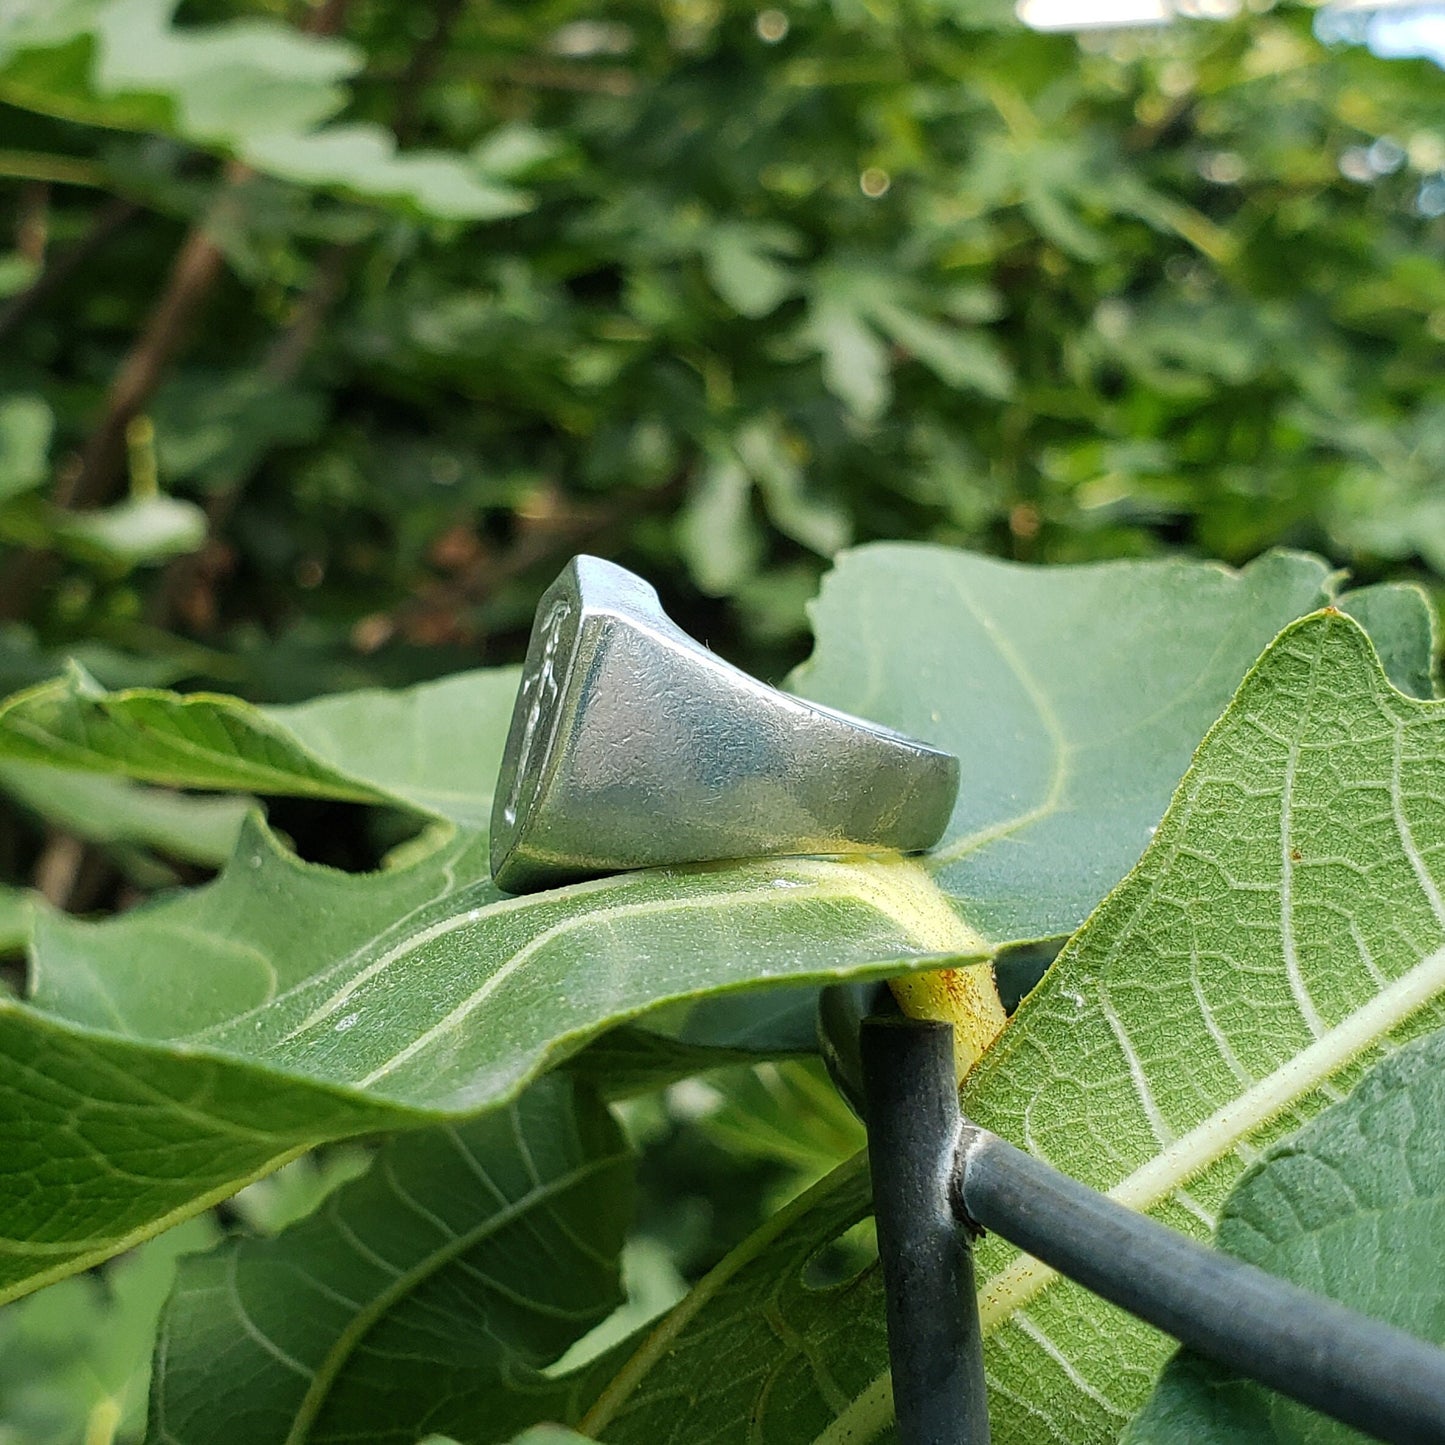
(632, 746)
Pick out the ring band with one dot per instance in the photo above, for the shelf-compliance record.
(633, 746)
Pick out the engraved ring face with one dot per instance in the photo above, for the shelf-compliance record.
(532, 736)
(632, 746)
(537, 707)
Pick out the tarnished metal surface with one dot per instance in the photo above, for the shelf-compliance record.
(633, 746)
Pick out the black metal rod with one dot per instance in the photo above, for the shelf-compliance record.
(1351, 1367)
(934, 1341)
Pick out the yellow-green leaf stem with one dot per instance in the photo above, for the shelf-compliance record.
(965, 997)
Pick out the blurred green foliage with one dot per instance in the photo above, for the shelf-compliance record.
(777, 280)
(327, 333)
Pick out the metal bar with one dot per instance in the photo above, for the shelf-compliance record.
(1355, 1369)
(934, 1341)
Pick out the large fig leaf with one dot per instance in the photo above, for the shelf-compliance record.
(173, 1053)
(1353, 1207)
(187, 1046)
(1073, 697)
(1283, 929)
(477, 1254)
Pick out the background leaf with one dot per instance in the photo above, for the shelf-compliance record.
(25, 428)
(1401, 624)
(112, 810)
(1352, 1207)
(15, 914)
(252, 88)
(791, 1384)
(198, 741)
(75, 1361)
(475, 1254)
(141, 529)
(364, 159)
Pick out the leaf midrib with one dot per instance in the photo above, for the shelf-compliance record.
(1232, 1123)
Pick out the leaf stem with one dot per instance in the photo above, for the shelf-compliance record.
(965, 997)
(102, 1422)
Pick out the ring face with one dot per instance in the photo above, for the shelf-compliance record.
(535, 718)
(633, 746)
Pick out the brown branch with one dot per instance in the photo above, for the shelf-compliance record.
(285, 355)
(554, 528)
(32, 234)
(193, 275)
(559, 75)
(71, 874)
(327, 18)
(192, 278)
(187, 580)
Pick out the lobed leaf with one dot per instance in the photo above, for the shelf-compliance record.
(255, 89)
(187, 1046)
(365, 160)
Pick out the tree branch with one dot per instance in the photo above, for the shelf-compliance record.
(193, 274)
